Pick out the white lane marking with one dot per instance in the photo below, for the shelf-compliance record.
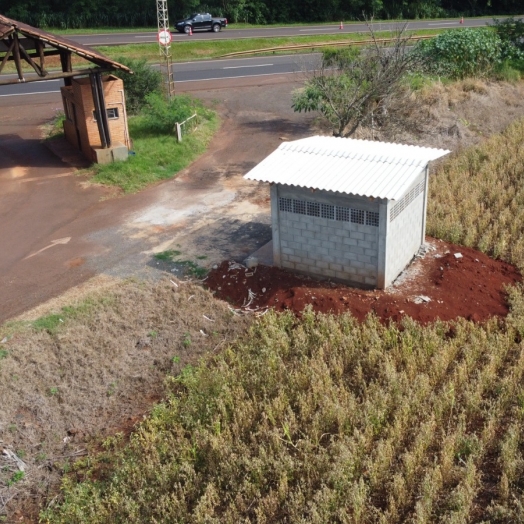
(145, 36)
(239, 76)
(308, 30)
(35, 93)
(53, 243)
(244, 66)
(442, 23)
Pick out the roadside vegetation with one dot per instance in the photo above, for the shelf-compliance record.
(134, 13)
(374, 87)
(156, 154)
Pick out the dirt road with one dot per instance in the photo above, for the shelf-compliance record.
(57, 231)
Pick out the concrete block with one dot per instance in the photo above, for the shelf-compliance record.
(357, 235)
(337, 253)
(308, 234)
(294, 258)
(365, 244)
(314, 242)
(302, 267)
(321, 264)
(364, 259)
(313, 226)
(326, 244)
(370, 281)
(335, 267)
(287, 251)
(349, 241)
(328, 273)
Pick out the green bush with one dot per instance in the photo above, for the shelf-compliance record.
(138, 86)
(161, 115)
(462, 53)
(511, 32)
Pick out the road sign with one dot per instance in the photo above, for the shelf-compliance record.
(164, 37)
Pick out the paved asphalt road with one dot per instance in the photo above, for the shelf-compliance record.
(185, 72)
(225, 34)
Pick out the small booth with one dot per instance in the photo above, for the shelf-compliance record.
(349, 210)
(81, 126)
(94, 105)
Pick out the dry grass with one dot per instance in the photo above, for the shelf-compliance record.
(328, 421)
(92, 368)
(477, 197)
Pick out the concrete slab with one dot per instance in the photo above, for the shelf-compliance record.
(264, 255)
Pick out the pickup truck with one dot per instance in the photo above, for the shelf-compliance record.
(198, 21)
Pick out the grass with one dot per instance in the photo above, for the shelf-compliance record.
(156, 156)
(183, 267)
(201, 49)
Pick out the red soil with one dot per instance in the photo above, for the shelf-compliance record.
(470, 286)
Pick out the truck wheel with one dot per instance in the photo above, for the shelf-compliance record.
(187, 29)
(216, 28)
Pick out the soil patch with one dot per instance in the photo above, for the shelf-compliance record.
(445, 282)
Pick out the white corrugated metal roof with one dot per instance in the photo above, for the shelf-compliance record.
(345, 165)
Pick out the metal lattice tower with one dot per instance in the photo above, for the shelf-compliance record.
(166, 66)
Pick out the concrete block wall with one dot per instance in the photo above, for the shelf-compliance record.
(324, 247)
(404, 235)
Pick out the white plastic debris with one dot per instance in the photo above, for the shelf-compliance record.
(421, 299)
(458, 255)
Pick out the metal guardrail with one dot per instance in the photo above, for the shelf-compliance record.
(321, 44)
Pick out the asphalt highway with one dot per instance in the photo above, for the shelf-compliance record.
(206, 70)
(235, 34)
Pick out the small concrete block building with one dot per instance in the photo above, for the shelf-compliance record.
(345, 209)
(80, 126)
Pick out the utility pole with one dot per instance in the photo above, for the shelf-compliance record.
(164, 43)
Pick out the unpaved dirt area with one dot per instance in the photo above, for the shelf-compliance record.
(445, 282)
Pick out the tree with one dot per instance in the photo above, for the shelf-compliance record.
(144, 81)
(357, 87)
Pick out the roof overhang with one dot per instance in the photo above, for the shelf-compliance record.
(19, 41)
(348, 166)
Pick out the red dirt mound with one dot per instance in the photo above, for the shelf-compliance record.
(447, 282)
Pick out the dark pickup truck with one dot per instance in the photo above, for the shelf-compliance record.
(198, 21)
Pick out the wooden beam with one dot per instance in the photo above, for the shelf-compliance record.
(33, 55)
(29, 60)
(6, 56)
(41, 55)
(67, 66)
(55, 76)
(98, 110)
(18, 61)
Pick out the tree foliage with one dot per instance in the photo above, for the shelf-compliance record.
(119, 13)
(357, 87)
(138, 86)
(462, 53)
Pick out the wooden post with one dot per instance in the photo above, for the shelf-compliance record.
(67, 66)
(102, 98)
(98, 112)
(16, 55)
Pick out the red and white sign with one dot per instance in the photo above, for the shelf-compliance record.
(164, 37)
